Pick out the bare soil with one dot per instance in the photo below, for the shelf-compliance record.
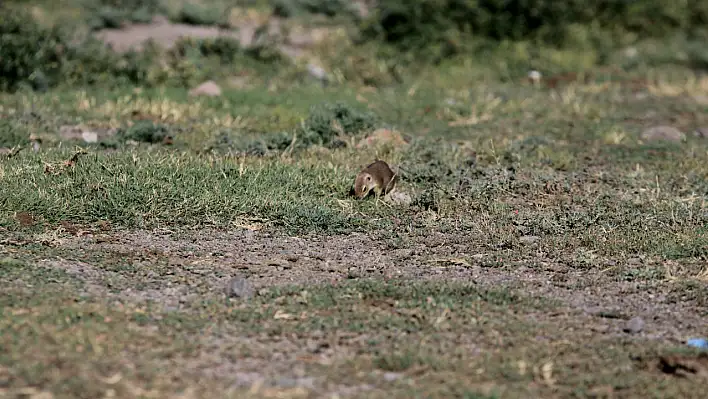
(179, 271)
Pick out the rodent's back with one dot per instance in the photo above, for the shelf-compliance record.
(381, 171)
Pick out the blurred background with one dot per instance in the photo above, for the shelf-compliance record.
(48, 43)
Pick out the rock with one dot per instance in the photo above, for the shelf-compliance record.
(634, 261)
(663, 133)
(69, 132)
(239, 287)
(701, 132)
(90, 137)
(79, 132)
(160, 20)
(529, 239)
(382, 136)
(634, 326)
(362, 8)
(400, 198)
(701, 99)
(631, 52)
(36, 141)
(317, 72)
(534, 76)
(208, 88)
(390, 376)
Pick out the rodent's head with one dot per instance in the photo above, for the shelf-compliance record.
(363, 185)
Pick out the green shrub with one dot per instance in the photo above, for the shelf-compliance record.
(39, 57)
(44, 57)
(330, 8)
(226, 48)
(197, 14)
(114, 13)
(144, 132)
(326, 124)
(443, 27)
(28, 52)
(328, 121)
(13, 132)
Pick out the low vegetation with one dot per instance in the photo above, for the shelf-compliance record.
(546, 244)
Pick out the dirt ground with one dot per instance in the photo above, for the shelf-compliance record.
(596, 298)
(165, 34)
(174, 272)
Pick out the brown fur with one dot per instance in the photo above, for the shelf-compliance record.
(377, 178)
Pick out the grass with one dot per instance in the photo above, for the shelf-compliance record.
(540, 222)
(174, 189)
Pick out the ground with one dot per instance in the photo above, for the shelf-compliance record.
(552, 248)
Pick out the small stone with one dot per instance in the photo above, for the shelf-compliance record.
(90, 137)
(701, 99)
(79, 132)
(160, 20)
(239, 287)
(631, 52)
(400, 198)
(663, 133)
(317, 72)
(208, 88)
(390, 376)
(529, 239)
(701, 132)
(634, 261)
(70, 132)
(634, 326)
(535, 76)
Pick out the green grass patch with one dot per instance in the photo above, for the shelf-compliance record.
(160, 188)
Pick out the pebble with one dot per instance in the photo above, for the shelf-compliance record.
(529, 239)
(400, 198)
(208, 88)
(390, 376)
(701, 132)
(663, 133)
(239, 287)
(634, 326)
(317, 72)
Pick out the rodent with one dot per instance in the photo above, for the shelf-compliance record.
(377, 178)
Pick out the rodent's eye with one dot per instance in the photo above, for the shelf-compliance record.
(368, 178)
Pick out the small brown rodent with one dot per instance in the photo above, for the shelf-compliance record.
(377, 178)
